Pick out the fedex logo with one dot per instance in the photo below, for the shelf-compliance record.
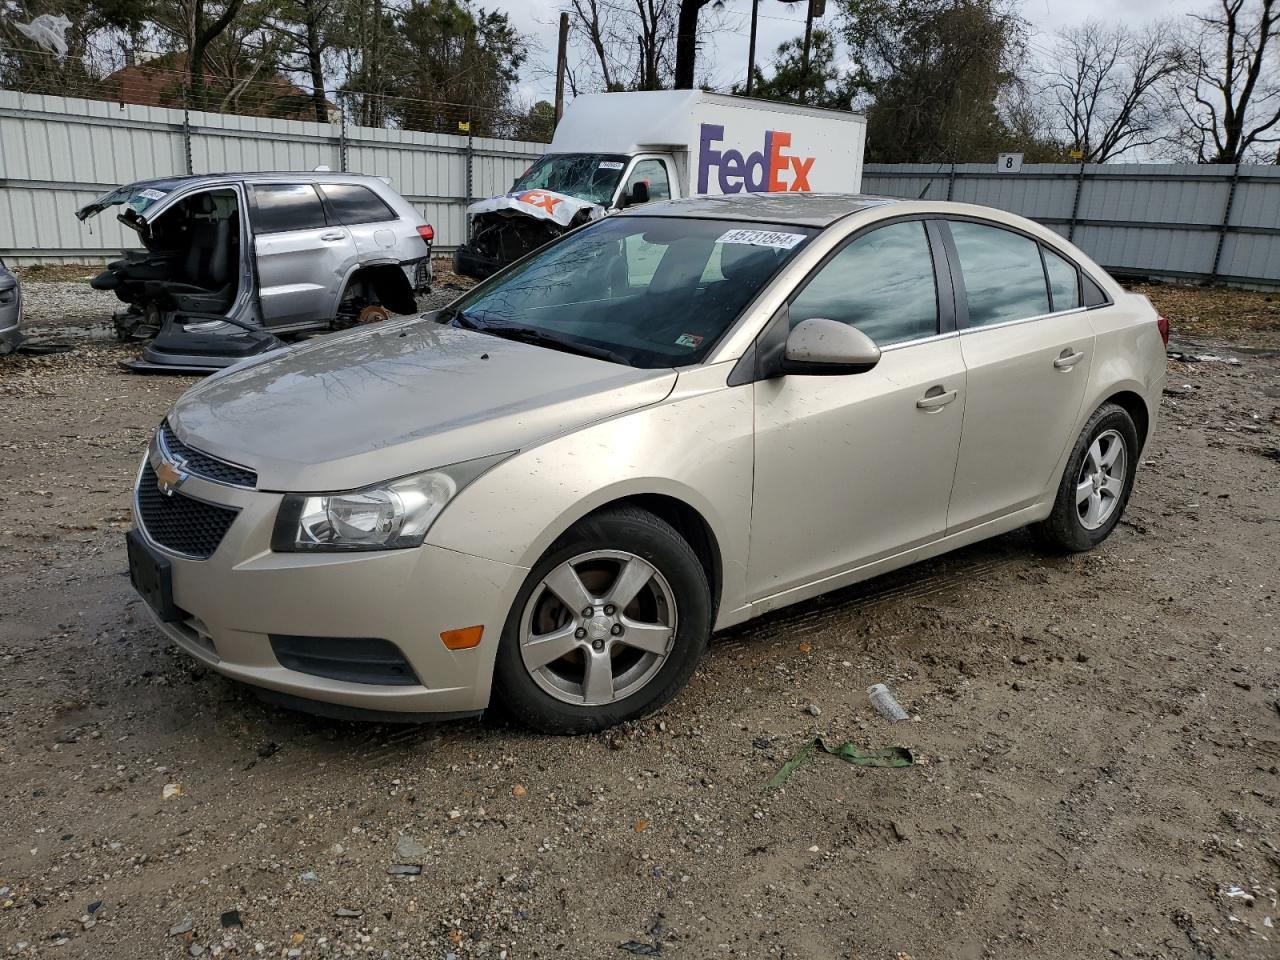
(536, 198)
(759, 172)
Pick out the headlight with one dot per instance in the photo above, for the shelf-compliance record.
(388, 516)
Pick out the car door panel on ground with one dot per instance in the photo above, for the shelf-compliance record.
(850, 469)
(1028, 359)
(303, 259)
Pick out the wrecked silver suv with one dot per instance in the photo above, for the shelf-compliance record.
(233, 261)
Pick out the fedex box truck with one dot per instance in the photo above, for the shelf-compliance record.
(614, 150)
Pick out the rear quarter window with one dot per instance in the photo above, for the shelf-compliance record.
(353, 203)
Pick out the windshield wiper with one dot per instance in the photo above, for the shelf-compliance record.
(541, 338)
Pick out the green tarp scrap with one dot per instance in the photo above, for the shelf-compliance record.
(884, 757)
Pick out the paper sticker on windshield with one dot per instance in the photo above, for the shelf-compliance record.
(611, 165)
(688, 340)
(151, 194)
(761, 238)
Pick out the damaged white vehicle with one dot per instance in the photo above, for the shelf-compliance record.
(234, 261)
(613, 151)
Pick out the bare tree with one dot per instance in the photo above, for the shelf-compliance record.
(1108, 90)
(628, 44)
(1231, 83)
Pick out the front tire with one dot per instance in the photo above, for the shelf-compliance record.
(608, 627)
(1096, 484)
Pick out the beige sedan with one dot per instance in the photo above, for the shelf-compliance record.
(660, 425)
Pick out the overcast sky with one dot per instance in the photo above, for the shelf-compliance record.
(537, 19)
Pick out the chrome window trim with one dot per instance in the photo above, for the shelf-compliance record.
(1039, 316)
(920, 341)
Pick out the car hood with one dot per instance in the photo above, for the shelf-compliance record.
(559, 208)
(376, 403)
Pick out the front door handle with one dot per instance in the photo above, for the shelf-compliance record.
(1066, 360)
(336, 235)
(936, 398)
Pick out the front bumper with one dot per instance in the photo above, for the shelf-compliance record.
(244, 594)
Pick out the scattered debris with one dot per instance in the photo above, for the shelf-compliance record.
(519, 790)
(183, 926)
(641, 949)
(351, 914)
(170, 791)
(231, 920)
(883, 757)
(1202, 358)
(408, 848)
(884, 702)
(405, 869)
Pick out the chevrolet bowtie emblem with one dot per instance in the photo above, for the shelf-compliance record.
(169, 477)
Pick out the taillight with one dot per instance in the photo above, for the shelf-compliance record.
(427, 232)
(1162, 324)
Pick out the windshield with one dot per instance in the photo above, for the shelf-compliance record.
(135, 198)
(587, 176)
(646, 291)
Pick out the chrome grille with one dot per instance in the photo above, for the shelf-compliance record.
(204, 465)
(190, 527)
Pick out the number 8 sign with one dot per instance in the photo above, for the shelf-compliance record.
(1009, 163)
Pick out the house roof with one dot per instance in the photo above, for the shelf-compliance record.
(158, 83)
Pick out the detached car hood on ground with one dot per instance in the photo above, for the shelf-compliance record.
(420, 394)
(559, 208)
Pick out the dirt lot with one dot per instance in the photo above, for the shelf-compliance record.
(1098, 739)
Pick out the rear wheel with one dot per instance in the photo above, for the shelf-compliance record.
(1096, 484)
(608, 627)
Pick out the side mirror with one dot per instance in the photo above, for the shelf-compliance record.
(828, 348)
(639, 193)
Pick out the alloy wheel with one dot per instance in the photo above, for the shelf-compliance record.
(1101, 480)
(598, 627)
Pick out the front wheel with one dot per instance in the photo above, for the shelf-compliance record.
(608, 627)
(1096, 484)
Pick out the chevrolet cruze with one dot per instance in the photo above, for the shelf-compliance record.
(662, 424)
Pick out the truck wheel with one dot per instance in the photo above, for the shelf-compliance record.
(1096, 484)
(608, 627)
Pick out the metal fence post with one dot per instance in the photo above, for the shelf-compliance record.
(186, 127)
(1075, 202)
(470, 171)
(342, 133)
(1226, 223)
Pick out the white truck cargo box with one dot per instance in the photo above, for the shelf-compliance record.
(616, 150)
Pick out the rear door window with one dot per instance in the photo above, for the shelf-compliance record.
(356, 204)
(1003, 274)
(286, 206)
(882, 283)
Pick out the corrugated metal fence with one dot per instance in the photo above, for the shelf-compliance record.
(57, 153)
(1181, 221)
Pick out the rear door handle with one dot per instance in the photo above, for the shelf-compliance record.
(936, 398)
(1067, 359)
(336, 235)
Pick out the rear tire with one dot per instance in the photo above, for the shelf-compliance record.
(1095, 485)
(570, 661)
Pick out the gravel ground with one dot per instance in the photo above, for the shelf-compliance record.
(1098, 739)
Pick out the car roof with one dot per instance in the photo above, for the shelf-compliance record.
(799, 209)
(293, 176)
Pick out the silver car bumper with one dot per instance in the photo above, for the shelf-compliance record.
(240, 601)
